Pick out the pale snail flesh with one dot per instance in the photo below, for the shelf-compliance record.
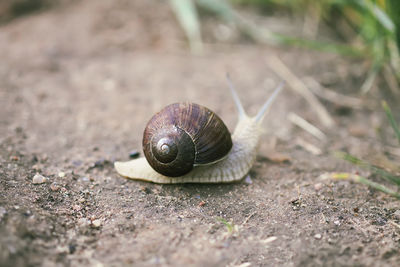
(227, 168)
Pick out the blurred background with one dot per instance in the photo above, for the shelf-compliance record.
(79, 80)
(358, 29)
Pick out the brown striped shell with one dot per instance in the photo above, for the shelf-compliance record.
(182, 135)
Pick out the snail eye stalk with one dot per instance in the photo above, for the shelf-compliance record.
(264, 109)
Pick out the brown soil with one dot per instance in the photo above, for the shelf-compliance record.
(79, 81)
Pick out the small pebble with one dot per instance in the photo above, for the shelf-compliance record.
(83, 222)
(248, 180)
(61, 249)
(380, 221)
(397, 214)
(84, 179)
(99, 163)
(27, 213)
(3, 212)
(12, 166)
(54, 187)
(318, 236)
(44, 158)
(278, 157)
(134, 154)
(77, 207)
(61, 174)
(39, 179)
(337, 222)
(269, 239)
(318, 186)
(96, 223)
(77, 163)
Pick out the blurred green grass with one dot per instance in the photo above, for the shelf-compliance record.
(379, 172)
(368, 28)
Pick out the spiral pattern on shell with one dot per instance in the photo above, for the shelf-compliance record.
(183, 135)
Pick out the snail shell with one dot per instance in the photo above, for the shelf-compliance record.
(183, 135)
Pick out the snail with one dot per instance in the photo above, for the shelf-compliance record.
(188, 143)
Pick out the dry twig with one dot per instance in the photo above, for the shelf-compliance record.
(395, 224)
(308, 147)
(305, 125)
(332, 96)
(299, 87)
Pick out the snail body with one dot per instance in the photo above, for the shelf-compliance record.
(231, 167)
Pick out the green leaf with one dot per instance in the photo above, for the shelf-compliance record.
(229, 226)
(380, 15)
(364, 164)
(376, 186)
(360, 179)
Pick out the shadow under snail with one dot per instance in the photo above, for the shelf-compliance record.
(188, 143)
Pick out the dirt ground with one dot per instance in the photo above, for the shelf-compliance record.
(78, 83)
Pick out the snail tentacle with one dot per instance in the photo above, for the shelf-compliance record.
(236, 98)
(264, 109)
